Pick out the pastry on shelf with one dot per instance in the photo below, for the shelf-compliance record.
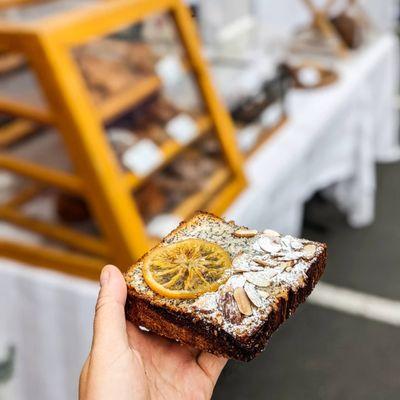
(105, 77)
(149, 119)
(151, 200)
(272, 92)
(141, 58)
(185, 176)
(136, 55)
(250, 109)
(349, 29)
(154, 132)
(161, 110)
(210, 146)
(71, 208)
(110, 66)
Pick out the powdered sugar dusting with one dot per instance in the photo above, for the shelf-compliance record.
(282, 265)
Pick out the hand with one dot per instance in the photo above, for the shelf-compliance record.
(126, 363)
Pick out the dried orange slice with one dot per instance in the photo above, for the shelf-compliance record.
(186, 269)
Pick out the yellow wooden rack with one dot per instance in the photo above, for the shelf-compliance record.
(97, 176)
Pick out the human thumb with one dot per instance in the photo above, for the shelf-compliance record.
(109, 321)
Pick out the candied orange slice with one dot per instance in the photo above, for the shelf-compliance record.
(186, 269)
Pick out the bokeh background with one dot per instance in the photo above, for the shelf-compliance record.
(119, 118)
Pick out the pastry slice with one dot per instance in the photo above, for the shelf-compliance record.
(220, 287)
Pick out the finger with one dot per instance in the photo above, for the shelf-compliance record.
(83, 380)
(109, 321)
(211, 365)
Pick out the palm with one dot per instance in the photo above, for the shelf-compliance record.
(172, 371)
(128, 364)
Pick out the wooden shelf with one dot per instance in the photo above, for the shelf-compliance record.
(201, 198)
(57, 232)
(122, 102)
(170, 150)
(48, 257)
(46, 42)
(13, 3)
(10, 61)
(16, 130)
(21, 96)
(224, 197)
(215, 196)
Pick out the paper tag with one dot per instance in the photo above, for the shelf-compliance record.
(247, 137)
(182, 128)
(308, 76)
(143, 157)
(271, 116)
(121, 136)
(170, 70)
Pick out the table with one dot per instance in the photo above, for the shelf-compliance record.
(333, 139)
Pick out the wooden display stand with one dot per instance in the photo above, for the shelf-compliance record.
(98, 177)
(10, 61)
(322, 23)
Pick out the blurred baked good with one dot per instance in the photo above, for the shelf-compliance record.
(348, 29)
(150, 200)
(71, 209)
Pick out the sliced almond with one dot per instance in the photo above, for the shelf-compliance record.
(239, 261)
(250, 268)
(242, 301)
(262, 279)
(264, 294)
(245, 233)
(269, 245)
(252, 294)
(261, 262)
(271, 233)
(287, 265)
(237, 280)
(296, 244)
(309, 251)
(242, 264)
(286, 242)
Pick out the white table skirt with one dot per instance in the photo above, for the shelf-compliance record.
(48, 317)
(333, 139)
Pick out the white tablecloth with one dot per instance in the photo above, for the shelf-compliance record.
(334, 137)
(47, 316)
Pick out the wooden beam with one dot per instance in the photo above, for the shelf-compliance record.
(59, 260)
(39, 173)
(56, 232)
